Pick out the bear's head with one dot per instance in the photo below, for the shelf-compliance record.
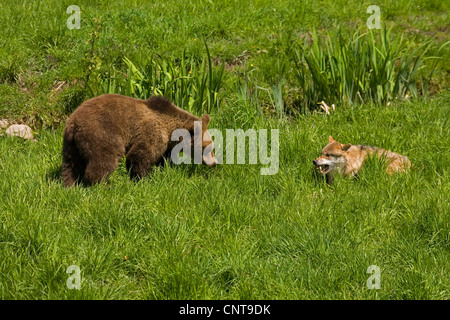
(207, 144)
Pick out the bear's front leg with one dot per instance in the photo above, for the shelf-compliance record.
(141, 158)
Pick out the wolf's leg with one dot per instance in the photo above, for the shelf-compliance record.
(330, 177)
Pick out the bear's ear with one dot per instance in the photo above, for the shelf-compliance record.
(206, 118)
(330, 139)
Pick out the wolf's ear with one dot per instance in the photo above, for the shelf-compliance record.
(330, 139)
(345, 147)
(206, 118)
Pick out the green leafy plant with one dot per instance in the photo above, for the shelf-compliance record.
(361, 68)
(192, 86)
(92, 62)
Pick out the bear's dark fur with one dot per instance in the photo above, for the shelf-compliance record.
(104, 129)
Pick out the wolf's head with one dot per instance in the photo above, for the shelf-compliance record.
(332, 158)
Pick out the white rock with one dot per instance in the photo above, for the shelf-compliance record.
(3, 123)
(20, 130)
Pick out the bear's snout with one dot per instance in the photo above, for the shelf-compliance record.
(212, 162)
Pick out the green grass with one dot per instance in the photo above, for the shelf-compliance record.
(362, 68)
(38, 51)
(192, 232)
(188, 85)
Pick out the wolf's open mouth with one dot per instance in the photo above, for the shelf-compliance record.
(323, 168)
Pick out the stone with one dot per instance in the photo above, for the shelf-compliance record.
(3, 124)
(20, 130)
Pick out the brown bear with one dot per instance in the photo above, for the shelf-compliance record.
(104, 129)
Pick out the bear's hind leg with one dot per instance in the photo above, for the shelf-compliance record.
(98, 170)
(73, 167)
(71, 173)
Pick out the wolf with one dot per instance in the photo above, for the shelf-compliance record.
(348, 159)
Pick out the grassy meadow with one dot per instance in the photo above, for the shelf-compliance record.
(228, 232)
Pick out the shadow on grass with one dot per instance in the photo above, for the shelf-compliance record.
(190, 170)
(54, 174)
